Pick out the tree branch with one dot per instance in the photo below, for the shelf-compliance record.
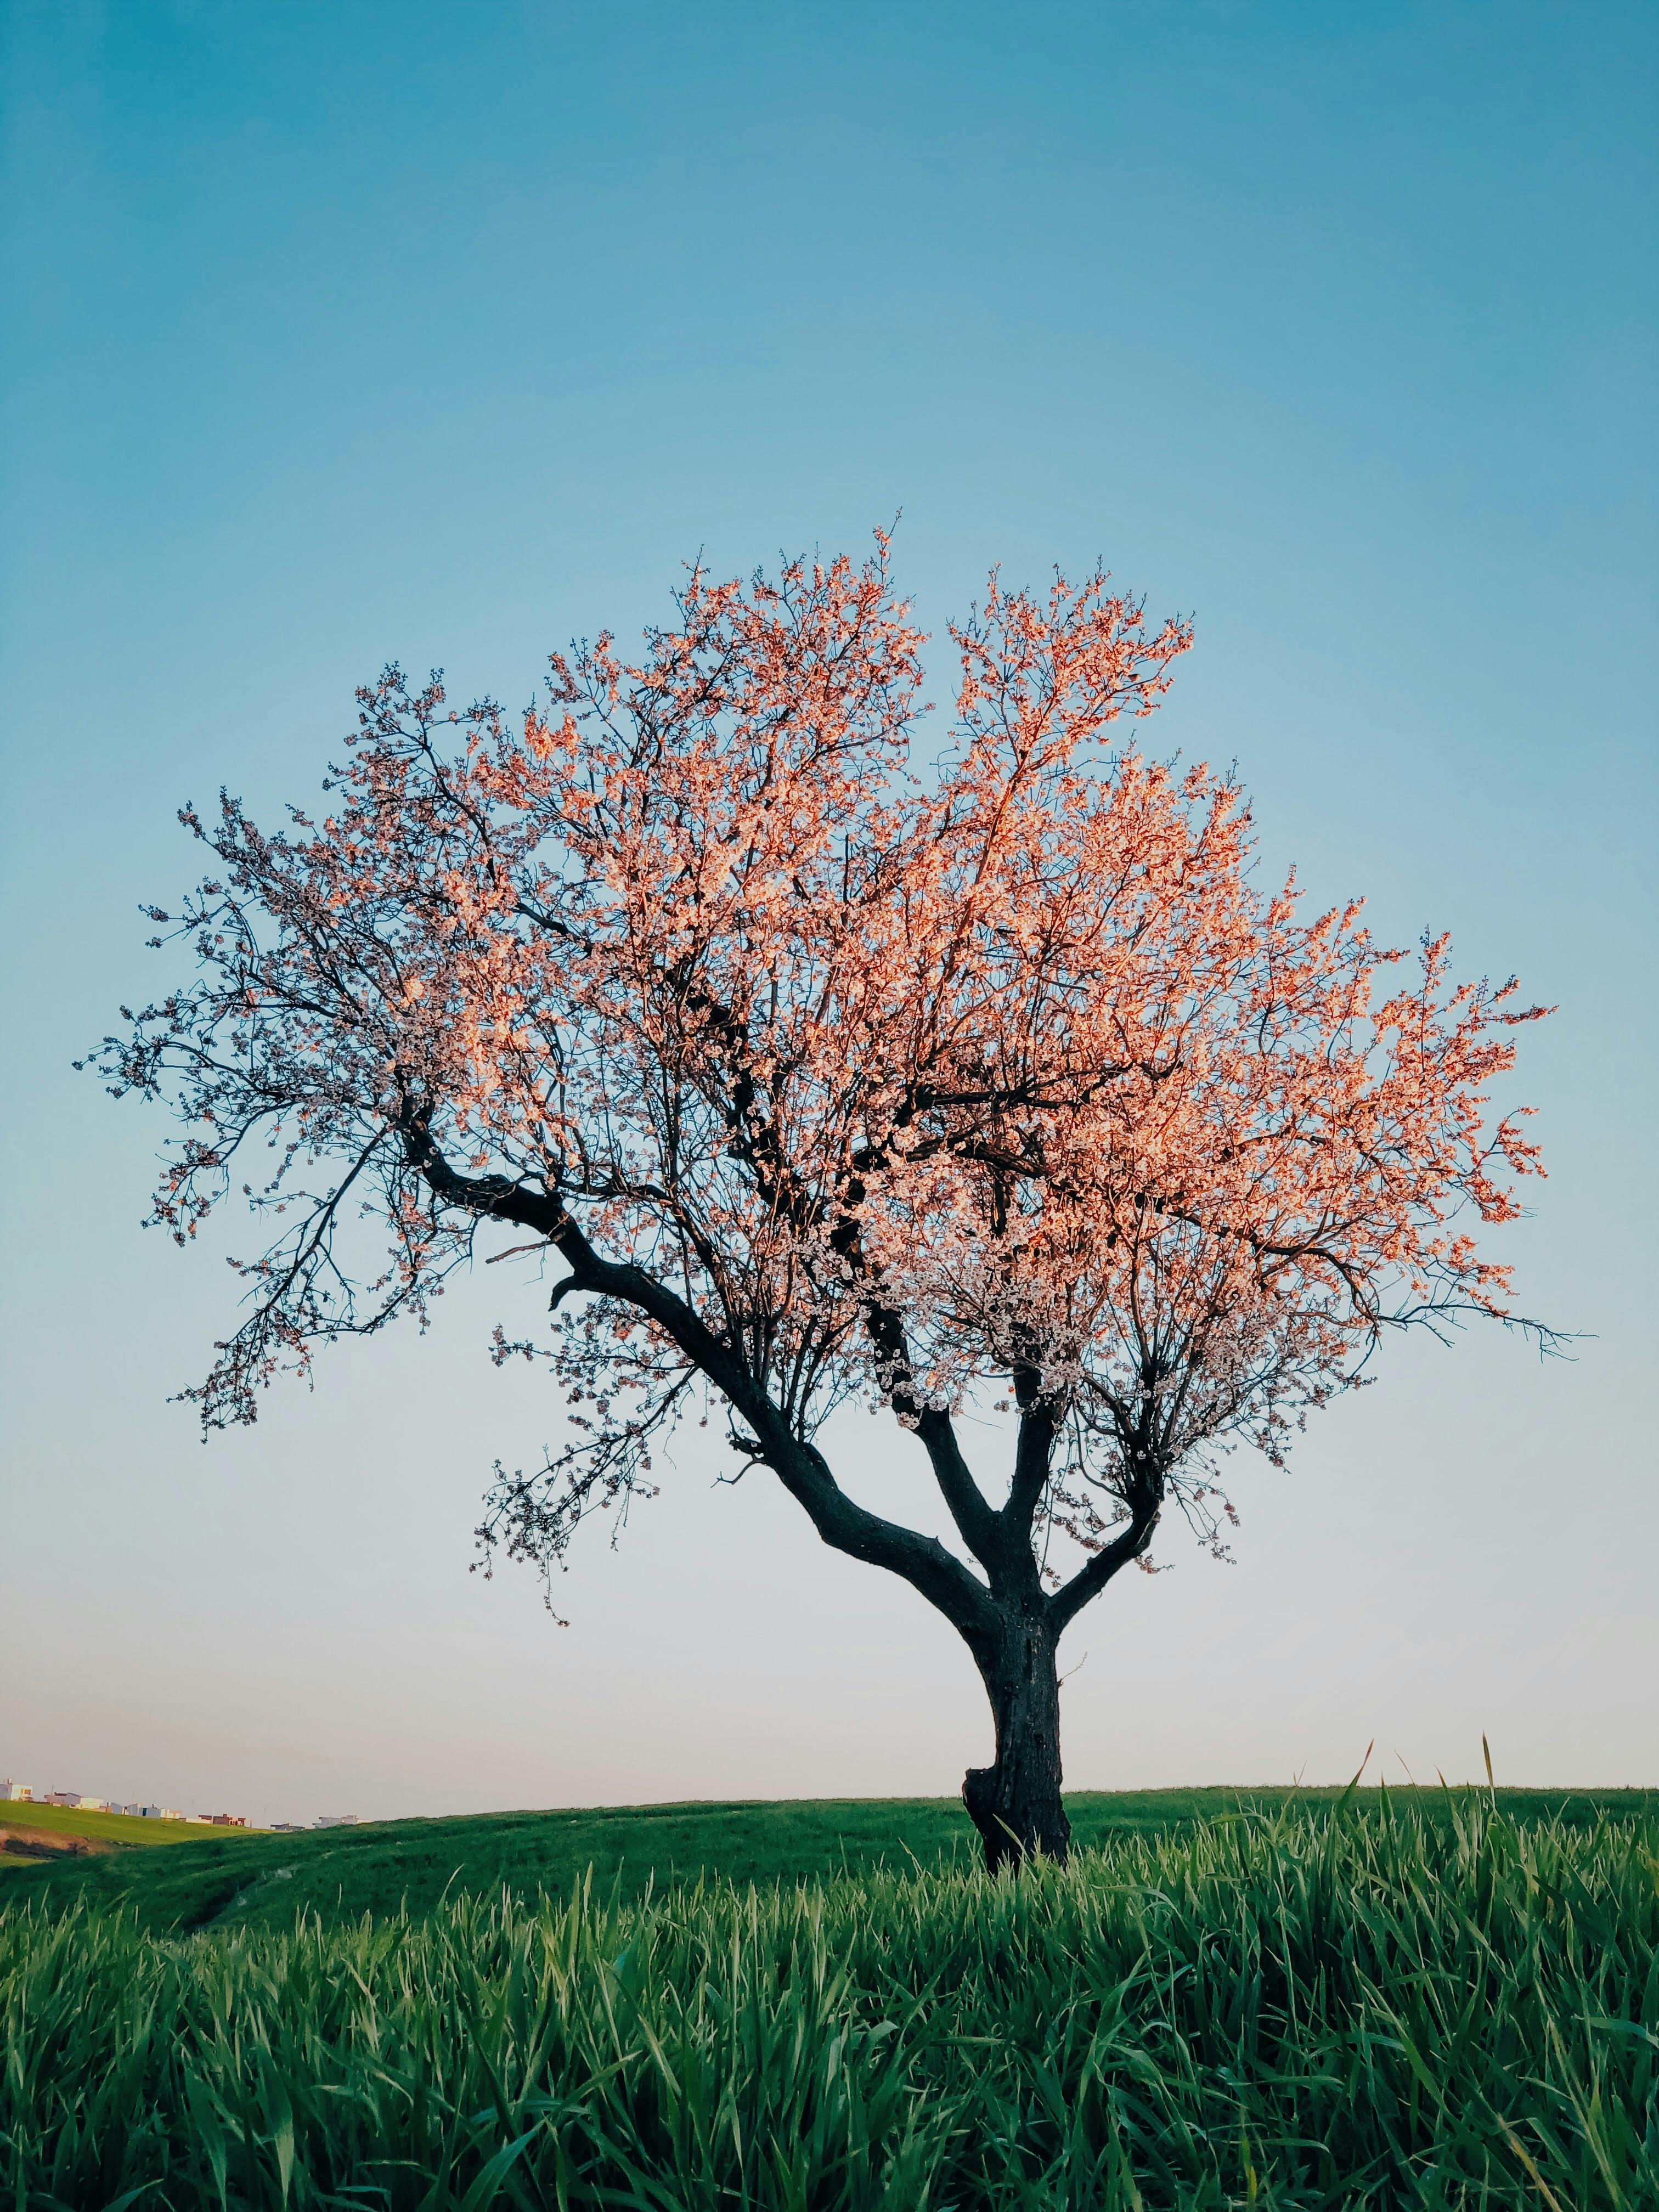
(1091, 1578)
(1032, 1455)
(976, 1523)
(846, 1526)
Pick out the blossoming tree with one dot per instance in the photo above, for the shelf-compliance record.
(818, 1081)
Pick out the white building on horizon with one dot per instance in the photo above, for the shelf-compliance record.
(24, 1793)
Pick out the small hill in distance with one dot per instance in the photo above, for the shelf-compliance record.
(29, 1832)
(239, 1877)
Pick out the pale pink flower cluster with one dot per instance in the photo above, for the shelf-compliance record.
(906, 1087)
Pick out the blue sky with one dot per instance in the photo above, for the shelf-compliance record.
(341, 333)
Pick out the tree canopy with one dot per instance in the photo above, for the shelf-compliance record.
(825, 1073)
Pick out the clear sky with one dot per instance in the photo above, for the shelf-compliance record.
(337, 333)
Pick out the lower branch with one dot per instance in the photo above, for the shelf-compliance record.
(1091, 1578)
(923, 1561)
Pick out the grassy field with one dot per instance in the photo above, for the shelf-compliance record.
(1426, 2005)
(67, 1825)
(235, 1877)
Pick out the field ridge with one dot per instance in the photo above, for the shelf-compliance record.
(230, 1877)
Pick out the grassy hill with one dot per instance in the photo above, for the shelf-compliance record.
(1429, 2010)
(226, 1878)
(67, 1825)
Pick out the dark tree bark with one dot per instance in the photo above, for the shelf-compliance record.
(1015, 1803)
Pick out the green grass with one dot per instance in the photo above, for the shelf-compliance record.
(118, 1828)
(1433, 2006)
(228, 1878)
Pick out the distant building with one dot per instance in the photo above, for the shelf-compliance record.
(132, 1811)
(16, 1793)
(70, 1797)
(94, 1804)
(288, 1827)
(335, 1821)
(154, 1813)
(168, 1813)
(228, 1819)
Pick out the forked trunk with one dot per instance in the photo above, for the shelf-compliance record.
(1016, 1804)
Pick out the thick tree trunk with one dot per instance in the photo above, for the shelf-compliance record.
(1015, 1803)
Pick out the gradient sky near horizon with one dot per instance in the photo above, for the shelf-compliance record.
(341, 333)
